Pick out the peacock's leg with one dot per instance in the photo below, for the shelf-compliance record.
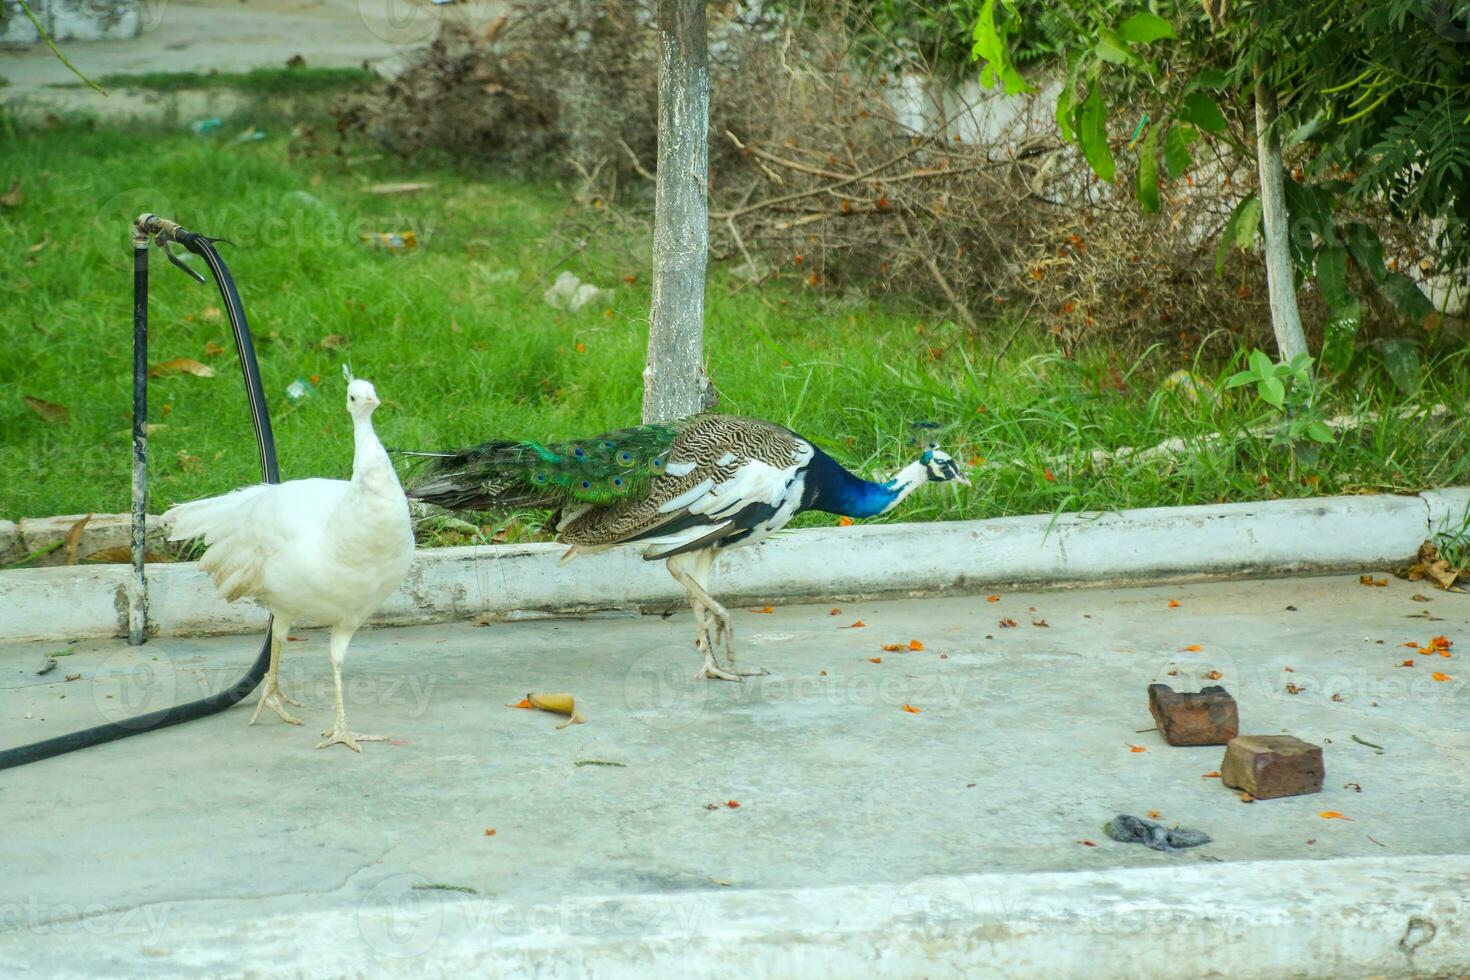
(692, 571)
(339, 732)
(271, 694)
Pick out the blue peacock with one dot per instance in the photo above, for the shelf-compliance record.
(689, 488)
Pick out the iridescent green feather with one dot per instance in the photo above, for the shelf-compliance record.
(601, 470)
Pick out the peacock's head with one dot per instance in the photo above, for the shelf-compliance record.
(362, 398)
(940, 467)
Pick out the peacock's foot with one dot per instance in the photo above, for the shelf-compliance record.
(341, 736)
(711, 670)
(277, 699)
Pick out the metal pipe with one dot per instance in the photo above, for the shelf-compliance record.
(138, 589)
(163, 232)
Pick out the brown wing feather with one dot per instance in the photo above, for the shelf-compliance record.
(704, 443)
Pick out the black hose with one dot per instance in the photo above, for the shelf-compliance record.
(165, 231)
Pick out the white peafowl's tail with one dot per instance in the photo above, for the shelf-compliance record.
(234, 558)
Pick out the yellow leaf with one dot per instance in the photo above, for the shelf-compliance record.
(181, 365)
(561, 704)
(911, 709)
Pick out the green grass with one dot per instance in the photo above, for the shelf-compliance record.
(258, 81)
(462, 347)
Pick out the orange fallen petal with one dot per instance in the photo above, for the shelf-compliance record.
(992, 598)
(1215, 774)
(856, 624)
(1174, 603)
(1214, 675)
(1407, 663)
(835, 612)
(1086, 843)
(1441, 642)
(844, 522)
(1192, 648)
(764, 609)
(892, 647)
(522, 703)
(489, 831)
(875, 660)
(1441, 677)
(1332, 815)
(1412, 645)
(1136, 748)
(733, 804)
(1153, 814)
(915, 645)
(911, 709)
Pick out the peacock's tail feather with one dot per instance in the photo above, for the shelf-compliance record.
(495, 475)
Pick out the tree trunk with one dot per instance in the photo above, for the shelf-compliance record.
(1286, 318)
(674, 383)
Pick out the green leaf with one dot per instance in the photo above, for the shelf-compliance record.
(1332, 275)
(1201, 110)
(1407, 298)
(1066, 107)
(1177, 158)
(1240, 378)
(1111, 48)
(990, 46)
(1272, 391)
(1240, 230)
(1342, 331)
(1092, 131)
(1318, 431)
(1367, 251)
(1261, 363)
(1401, 358)
(1212, 79)
(1309, 210)
(1145, 28)
(1148, 171)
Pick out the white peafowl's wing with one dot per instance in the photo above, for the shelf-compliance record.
(250, 529)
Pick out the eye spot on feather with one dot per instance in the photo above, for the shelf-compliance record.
(658, 464)
(586, 484)
(625, 457)
(608, 444)
(579, 452)
(617, 481)
(540, 477)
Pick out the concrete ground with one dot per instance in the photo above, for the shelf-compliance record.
(185, 850)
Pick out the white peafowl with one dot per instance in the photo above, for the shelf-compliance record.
(691, 487)
(320, 551)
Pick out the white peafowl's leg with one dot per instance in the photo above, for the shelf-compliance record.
(271, 693)
(339, 732)
(692, 572)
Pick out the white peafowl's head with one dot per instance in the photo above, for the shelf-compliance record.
(940, 467)
(362, 398)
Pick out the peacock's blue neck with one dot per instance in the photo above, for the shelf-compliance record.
(833, 489)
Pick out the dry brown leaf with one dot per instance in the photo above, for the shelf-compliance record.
(333, 341)
(1007, 623)
(181, 365)
(1429, 565)
(212, 349)
(561, 704)
(12, 197)
(39, 246)
(74, 538)
(49, 411)
(210, 313)
(405, 187)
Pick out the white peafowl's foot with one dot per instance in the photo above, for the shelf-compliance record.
(342, 736)
(277, 699)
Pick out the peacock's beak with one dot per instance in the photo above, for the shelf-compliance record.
(961, 479)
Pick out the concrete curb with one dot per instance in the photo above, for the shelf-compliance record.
(1136, 547)
(1325, 918)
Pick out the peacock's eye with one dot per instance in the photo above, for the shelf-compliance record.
(540, 477)
(625, 457)
(586, 484)
(658, 463)
(579, 452)
(617, 481)
(607, 444)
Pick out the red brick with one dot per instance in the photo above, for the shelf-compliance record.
(1207, 718)
(1268, 766)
